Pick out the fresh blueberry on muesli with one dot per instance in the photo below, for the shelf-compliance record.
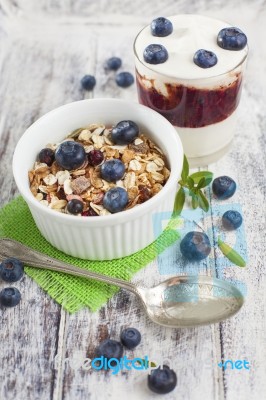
(70, 155)
(99, 170)
(125, 132)
(112, 170)
(115, 199)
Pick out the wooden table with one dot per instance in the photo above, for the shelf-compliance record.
(45, 49)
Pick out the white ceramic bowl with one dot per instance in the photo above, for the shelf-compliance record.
(110, 236)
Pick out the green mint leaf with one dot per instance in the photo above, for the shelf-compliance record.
(195, 201)
(190, 182)
(179, 201)
(231, 254)
(185, 170)
(202, 174)
(203, 201)
(202, 183)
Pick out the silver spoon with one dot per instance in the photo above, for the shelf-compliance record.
(178, 302)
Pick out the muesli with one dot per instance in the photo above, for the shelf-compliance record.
(98, 170)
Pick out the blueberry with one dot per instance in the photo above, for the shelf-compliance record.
(162, 380)
(231, 39)
(88, 82)
(109, 349)
(130, 338)
(10, 297)
(114, 63)
(223, 187)
(124, 79)
(95, 157)
(11, 270)
(46, 156)
(232, 220)
(161, 27)
(75, 206)
(112, 170)
(70, 155)
(155, 54)
(125, 132)
(115, 199)
(205, 58)
(195, 246)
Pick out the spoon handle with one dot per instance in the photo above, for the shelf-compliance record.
(12, 248)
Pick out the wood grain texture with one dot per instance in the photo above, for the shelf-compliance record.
(45, 49)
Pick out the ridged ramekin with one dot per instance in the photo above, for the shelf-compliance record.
(110, 236)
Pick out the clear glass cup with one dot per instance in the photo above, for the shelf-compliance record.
(203, 110)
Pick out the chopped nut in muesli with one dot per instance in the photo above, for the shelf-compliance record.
(98, 170)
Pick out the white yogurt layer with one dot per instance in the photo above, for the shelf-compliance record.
(190, 33)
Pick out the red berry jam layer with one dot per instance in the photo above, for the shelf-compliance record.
(191, 107)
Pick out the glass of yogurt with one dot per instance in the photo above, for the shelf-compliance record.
(190, 68)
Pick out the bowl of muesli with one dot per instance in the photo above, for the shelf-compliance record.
(95, 175)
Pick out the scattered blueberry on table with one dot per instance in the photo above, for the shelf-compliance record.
(114, 63)
(88, 82)
(11, 270)
(162, 380)
(124, 79)
(110, 348)
(223, 187)
(10, 297)
(195, 246)
(161, 27)
(231, 39)
(115, 199)
(130, 338)
(112, 170)
(205, 58)
(46, 156)
(95, 157)
(125, 132)
(75, 206)
(155, 54)
(70, 155)
(232, 220)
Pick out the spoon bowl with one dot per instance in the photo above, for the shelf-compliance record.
(178, 302)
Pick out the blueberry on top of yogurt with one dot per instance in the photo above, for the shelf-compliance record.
(231, 39)
(205, 58)
(155, 54)
(161, 27)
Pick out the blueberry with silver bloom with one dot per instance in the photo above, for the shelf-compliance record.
(205, 58)
(232, 220)
(110, 349)
(70, 155)
(231, 39)
(223, 187)
(10, 297)
(112, 170)
(130, 337)
(195, 246)
(115, 199)
(124, 79)
(11, 270)
(155, 54)
(125, 132)
(88, 82)
(161, 27)
(113, 63)
(162, 380)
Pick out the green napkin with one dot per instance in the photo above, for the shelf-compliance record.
(74, 293)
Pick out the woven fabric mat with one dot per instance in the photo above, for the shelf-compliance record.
(74, 293)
